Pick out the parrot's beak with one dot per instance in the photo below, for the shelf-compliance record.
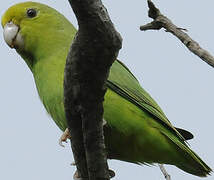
(12, 36)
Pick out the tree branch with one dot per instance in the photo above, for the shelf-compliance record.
(163, 170)
(94, 49)
(161, 21)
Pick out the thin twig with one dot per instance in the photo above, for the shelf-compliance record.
(161, 21)
(163, 170)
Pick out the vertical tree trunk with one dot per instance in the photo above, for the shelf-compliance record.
(94, 49)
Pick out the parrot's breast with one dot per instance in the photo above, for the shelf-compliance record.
(49, 82)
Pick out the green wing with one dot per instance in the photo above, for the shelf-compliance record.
(123, 82)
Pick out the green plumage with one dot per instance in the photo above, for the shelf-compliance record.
(137, 130)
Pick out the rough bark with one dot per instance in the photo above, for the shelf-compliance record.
(161, 21)
(94, 49)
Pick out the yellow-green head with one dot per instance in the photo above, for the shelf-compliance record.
(31, 28)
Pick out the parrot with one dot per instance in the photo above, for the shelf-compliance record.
(136, 130)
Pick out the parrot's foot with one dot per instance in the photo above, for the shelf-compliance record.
(73, 164)
(111, 173)
(64, 137)
(77, 177)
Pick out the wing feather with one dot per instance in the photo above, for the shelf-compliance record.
(123, 82)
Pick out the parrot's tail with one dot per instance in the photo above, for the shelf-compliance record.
(195, 165)
(188, 160)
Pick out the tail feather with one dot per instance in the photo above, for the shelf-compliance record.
(190, 161)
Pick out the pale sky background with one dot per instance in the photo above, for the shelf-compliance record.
(180, 82)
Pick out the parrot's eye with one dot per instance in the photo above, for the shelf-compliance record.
(31, 13)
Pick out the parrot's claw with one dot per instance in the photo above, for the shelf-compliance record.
(73, 164)
(64, 137)
(77, 177)
(61, 142)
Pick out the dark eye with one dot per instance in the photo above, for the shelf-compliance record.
(31, 13)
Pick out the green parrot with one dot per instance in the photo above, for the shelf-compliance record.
(136, 129)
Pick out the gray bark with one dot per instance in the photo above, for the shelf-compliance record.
(165, 173)
(94, 49)
(161, 21)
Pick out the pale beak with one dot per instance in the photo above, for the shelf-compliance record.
(12, 36)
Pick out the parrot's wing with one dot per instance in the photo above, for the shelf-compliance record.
(123, 82)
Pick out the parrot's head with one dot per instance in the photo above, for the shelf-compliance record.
(32, 29)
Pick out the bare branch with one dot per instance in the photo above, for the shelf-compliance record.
(161, 21)
(163, 170)
(94, 49)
